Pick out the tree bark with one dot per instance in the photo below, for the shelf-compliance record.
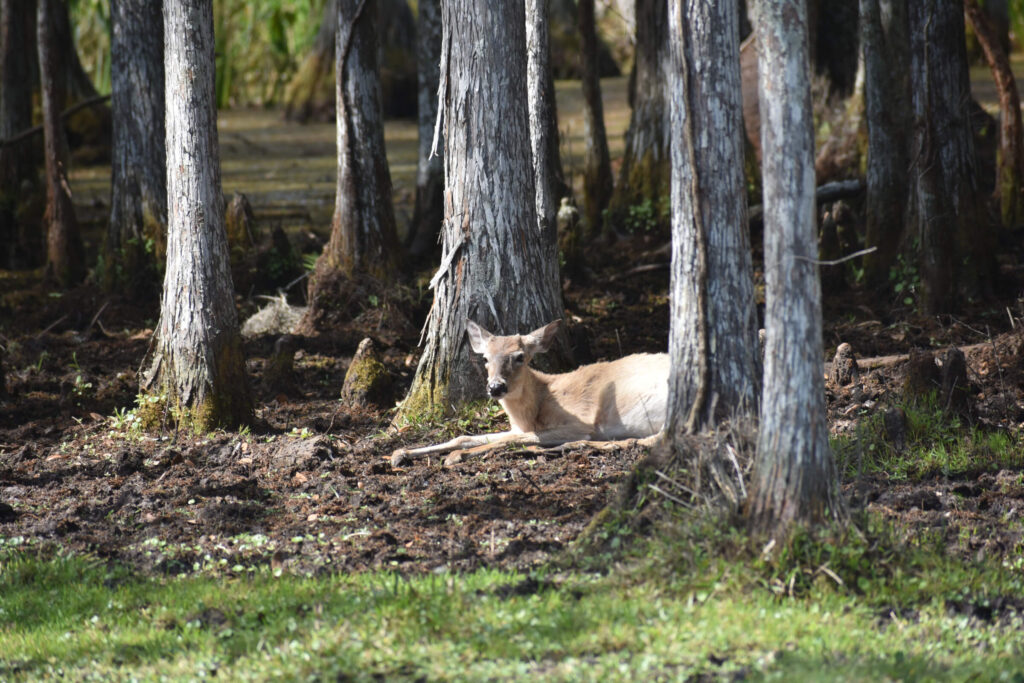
(713, 340)
(1010, 164)
(306, 96)
(137, 235)
(64, 257)
(597, 169)
(17, 23)
(947, 217)
(886, 44)
(425, 229)
(795, 479)
(198, 367)
(492, 267)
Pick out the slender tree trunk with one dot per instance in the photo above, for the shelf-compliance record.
(886, 46)
(947, 216)
(713, 341)
(425, 229)
(597, 168)
(492, 266)
(1010, 165)
(306, 95)
(64, 257)
(795, 474)
(137, 234)
(17, 26)
(198, 367)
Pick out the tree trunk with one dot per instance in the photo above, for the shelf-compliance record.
(795, 474)
(17, 24)
(198, 367)
(425, 228)
(64, 258)
(1010, 164)
(885, 42)
(492, 267)
(713, 339)
(307, 96)
(597, 168)
(137, 234)
(947, 218)
(645, 173)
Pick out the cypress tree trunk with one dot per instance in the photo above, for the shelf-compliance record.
(305, 96)
(597, 168)
(64, 257)
(429, 211)
(886, 46)
(795, 473)
(198, 367)
(137, 234)
(713, 340)
(947, 215)
(492, 267)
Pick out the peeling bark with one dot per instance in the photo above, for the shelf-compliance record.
(597, 169)
(795, 479)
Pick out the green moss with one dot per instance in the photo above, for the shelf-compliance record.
(424, 403)
(647, 181)
(367, 380)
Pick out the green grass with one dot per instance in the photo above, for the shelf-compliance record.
(698, 602)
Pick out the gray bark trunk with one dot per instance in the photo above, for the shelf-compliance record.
(597, 169)
(947, 217)
(492, 267)
(886, 45)
(136, 238)
(713, 339)
(429, 211)
(795, 473)
(64, 257)
(198, 365)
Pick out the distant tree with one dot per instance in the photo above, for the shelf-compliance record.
(65, 260)
(363, 238)
(492, 266)
(713, 341)
(425, 228)
(198, 367)
(597, 169)
(795, 479)
(136, 237)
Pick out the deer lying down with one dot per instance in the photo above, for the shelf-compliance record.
(620, 399)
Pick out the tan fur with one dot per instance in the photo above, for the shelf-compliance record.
(621, 399)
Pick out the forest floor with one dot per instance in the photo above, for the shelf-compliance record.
(310, 487)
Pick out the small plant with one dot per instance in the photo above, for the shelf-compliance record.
(906, 281)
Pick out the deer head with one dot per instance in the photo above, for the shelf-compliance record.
(508, 356)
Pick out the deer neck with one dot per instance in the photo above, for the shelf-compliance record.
(522, 405)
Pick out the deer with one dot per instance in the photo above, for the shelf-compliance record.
(595, 404)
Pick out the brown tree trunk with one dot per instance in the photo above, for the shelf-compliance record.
(713, 341)
(425, 229)
(795, 479)
(886, 46)
(492, 266)
(947, 218)
(308, 95)
(1010, 164)
(137, 235)
(198, 368)
(65, 262)
(597, 169)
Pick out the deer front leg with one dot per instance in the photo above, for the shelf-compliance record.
(401, 456)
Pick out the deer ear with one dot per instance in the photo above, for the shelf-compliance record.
(478, 337)
(540, 340)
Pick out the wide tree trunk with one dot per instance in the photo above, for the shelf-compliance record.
(137, 235)
(492, 266)
(198, 367)
(597, 168)
(1010, 163)
(425, 229)
(713, 340)
(17, 28)
(645, 173)
(886, 46)
(65, 260)
(947, 219)
(795, 474)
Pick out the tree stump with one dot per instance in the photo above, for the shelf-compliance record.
(367, 382)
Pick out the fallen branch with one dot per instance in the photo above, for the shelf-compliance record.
(829, 192)
(35, 130)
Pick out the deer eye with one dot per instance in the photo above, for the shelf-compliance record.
(518, 357)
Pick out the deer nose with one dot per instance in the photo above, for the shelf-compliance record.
(497, 388)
